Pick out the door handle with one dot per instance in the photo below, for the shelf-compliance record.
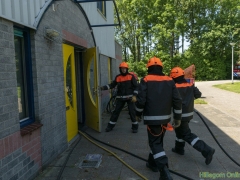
(95, 90)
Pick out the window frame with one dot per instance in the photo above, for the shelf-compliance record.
(25, 34)
(103, 8)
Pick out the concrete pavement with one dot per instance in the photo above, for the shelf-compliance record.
(221, 116)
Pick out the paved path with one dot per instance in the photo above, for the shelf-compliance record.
(224, 106)
(221, 116)
(225, 101)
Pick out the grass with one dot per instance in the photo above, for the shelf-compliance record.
(229, 87)
(199, 101)
(19, 92)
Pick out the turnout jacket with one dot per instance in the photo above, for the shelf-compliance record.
(157, 95)
(126, 86)
(188, 92)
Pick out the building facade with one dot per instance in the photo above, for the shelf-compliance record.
(52, 61)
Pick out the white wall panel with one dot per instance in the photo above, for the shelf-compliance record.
(104, 36)
(25, 12)
(42, 3)
(37, 7)
(31, 11)
(2, 10)
(13, 5)
(8, 6)
(21, 11)
(16, 10)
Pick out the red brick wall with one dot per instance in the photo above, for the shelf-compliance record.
(30, 143)
(74, 39)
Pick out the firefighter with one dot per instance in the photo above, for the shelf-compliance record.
(157, 94)
(126, 87)
(188, 93)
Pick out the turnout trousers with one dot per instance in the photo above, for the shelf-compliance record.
(119, 106)
(183, 133)
(157, 157)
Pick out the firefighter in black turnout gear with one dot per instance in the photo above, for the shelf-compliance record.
(126, 88)
(188, 93)
(157, 95)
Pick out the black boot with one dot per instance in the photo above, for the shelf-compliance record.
(165, 174)
(178, 151)
(209, 156)
(134, 128)
(179, 147)
(151, 163)
(206, 151)
(109, 127)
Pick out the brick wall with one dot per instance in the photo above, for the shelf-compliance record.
(9, 120)
(20, 156)
(50, 108)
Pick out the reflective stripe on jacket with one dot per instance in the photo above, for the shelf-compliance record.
(156, 96)
(126, 86)
(188, 93)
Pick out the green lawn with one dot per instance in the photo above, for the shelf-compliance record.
(199, 101)
(19, 92)
(229, 87)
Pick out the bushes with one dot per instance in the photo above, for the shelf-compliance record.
(206, 68)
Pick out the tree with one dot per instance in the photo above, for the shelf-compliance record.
(153, 27)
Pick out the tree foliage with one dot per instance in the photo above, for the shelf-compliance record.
(161, 27)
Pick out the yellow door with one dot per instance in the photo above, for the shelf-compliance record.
(70, 91)
(91, 92)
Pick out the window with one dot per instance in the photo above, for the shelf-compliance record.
(24, 76)
(101, 5)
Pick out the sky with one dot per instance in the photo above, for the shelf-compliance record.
(186, 44)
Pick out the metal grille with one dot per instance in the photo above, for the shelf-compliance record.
(90, 161)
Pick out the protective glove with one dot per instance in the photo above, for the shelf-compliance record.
(134, 99)
(176, 123)
(138, 118)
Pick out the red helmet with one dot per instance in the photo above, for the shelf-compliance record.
(176, 72)
(154, 61)
(123, 65)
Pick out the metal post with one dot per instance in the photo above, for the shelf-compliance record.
(232, 62)
(232, 44)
